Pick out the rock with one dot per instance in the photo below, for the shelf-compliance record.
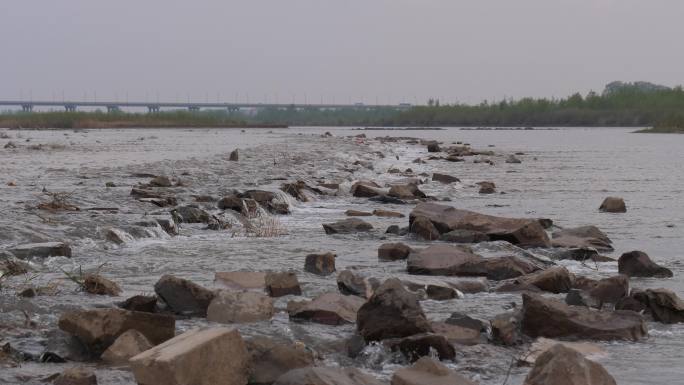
(282, 284)
(385, 199)
(392, 312)
(240, 307)
(554, 279)
(466, 321)
(242, 280)
(365, 189)
(320, 264)
(542, 345)
(189, 214)
(513, 159)
(613, 205)
(183, 296)
(518, 231)
(440, 293)
(97, 284)
(265, 199)
(169, 226)
(561, 365)
(506, 328)
(663, 305)
(427, 371)
(407, 191)
(423, 227)
(445, 260)
(41, 250)
(142, 303)
(355, 213)
(197, 357)
(318, 375)
(433, 147)
(299, 190)
(546, 223)
(11, 266)
(639, 264)
(456, 334)
(76, 376)
(393, 251)
(270, 359)
(239, 205)
(347, 226)
(464, 236)
(161, 181)
(329, 309)
(581, 254)
(98, 329)
(444, 178)
(487, 187)
(507, 267)
(356, 284)
(234, 156)
(582, 237)
(610, 290)
(577, 297)
(550, 318)
(388, 214)
(470, 286)
(128, 345)
(420, 345)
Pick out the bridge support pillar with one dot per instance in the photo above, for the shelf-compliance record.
(112, 109)
(193, 108)
(70, 108)
(27, 107)
(233, 109)
(152, 109)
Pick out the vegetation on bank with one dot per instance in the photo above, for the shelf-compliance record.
(670, 125)
(98, 119)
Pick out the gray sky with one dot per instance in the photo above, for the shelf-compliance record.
(341, 50)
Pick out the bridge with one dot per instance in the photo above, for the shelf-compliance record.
(152, 107)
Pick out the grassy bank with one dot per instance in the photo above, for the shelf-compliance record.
(71, 120)
(670, 125)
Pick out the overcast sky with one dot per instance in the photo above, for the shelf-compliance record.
(337, 50)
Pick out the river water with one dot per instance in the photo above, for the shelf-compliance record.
(565, 174)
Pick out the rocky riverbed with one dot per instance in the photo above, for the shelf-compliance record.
(382, 254)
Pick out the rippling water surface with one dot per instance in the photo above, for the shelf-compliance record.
(565, 174)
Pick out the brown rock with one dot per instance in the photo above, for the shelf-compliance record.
(487, 187)
(242, 280)
(561, 365)
(317, 375)
(427, 371)
(347, 226)
(76, 376)
(183, 296)
(129, 344)
(392, 312)
(234, 156)
(393, 251)
(613, 205)
(270, 359)
(542, 345)
(320, 264)
(41, 250)
(365, 190)
(440, 293)
(550, 318)
(423, 227)
(506, 328)
(554, 279)
(197, 357)
(507, 267)
(142, 303)
(582, 237)
(161, 181)
(639, 264)
(99, 328)
(282, 284)
(388, 214)
(240, 307)
(663, 305)
(420, 345)
(97, 284)
(408, 191)
(350, 283)
(444, 178)
(328, 309)
(355, 213)
(456, 334)
(445, 260)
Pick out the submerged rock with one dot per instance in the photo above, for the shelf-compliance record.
(427, 371)
(639, 264)
(234, 156)
(582, 237)
(319, 375)
(183, 296)
(99, 328)
(197, 357)
(392, 312)
(320, 264)
(347, 226)
(329, 309)
(518, 231)
(355, 213)
(41, 250)
(444, 178)
(561, 365)
(613, 205)
(550, 318)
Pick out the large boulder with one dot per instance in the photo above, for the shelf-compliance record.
(144, 303)
(423, 228)
(347, 226)
(555, 279)
(319, 375)
(543, 317)
(393, 251)
(613, 205)
(197, 357)
(240, 307)
(507, 267)
(351, 283)
(561, 365)
(329, 309)
(445, 260)
(99, 328)
(422, 345)
(320, 264)
(392, 312)
(582, 237)
(41, 250)
(444, 178)
(365, 189)
(183, 296)
(128, 345)
(518, 231)
(663, 305)
(427, 371)
(270, 359)
(282, 283)
(639, 264)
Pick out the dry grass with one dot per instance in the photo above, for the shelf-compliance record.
(59, 201)
(258, 224)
